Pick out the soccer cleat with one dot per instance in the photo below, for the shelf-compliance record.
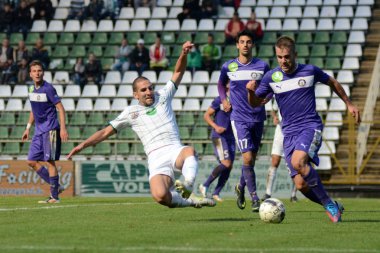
(240, 199)
(293, 199)
(185, 191)
(61, 189)
(204, 202)
(49, 200)
(203, 190)
(332, 210)
(217, 198)
(266, 196)
(340, 207)
(255, 206)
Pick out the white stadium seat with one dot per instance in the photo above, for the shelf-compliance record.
(68, 104)
(324, 163)
(356, 37)
(119, 104)
(278, 12)
(107, 91)
(325, 24)
(89, 26)
(55, 26)
(196, 91)
(206, 103)
(102, 104)
(174, 11)
(59, 89)
(127, 13)
(181, 92)
(14, 104)
(129, 77)
(151, 75)
(311, 12)
(155, 25)
(2, 104)
(105, 26)
(125, 90)
(160, 13)
(39, 26)
(337, 105)
(201, 77)
(84, 104)
(191, 104)
(327, 148)
(20, 90)
(345, 76)
(334, 119)
(189, 25)
(328, 12)
(342, 24)
(61, 13)
(90, 90)
(206, 25)
(121, 26)
(353, 50)
(172, 25)
(112, 77)
(322, 91)
(61, 77)
(72, 90)
(164, 76)
(294, 12)
(72, 26)
(177, 104)
(28, 107)
(5, 91)
(308, 24)
(138, 25)
(331, 133)
(345, 12)
(142, 13)
(212, 91)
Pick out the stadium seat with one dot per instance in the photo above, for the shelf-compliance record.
(121, 26)
(55, 26)
(318, 51)
(107, 91)
(322, 37)
(314, 2)
(269, 38)
(174, 11)
(317, 61)
(102, 148)
(88, 131)
(72, 90)
(15, 38)
(100, 38)
(322, 91)
(142, 13)
(345, 12)
(129, 77)
(61, 77)
(337, 105)
(184, 133)
(186, 119)
(351, 63)
(346, 89)
(96, 50)
(137, 149)
(191, 104)
(112, 77)
(14, 104)
(84, 104)
(308, 24)
(66, 38)
(274, 25)
(22, 118)
(265, 51)
(276, 12)
(127, 13)
(324, 163)
(334, 119)
(8, 119)
(321, 104)
(290, 24)
(105, 26)
(31, 38)
(325, 24)
(61, 13)
(4, 133)
(311, 12)
(39, 26)
(2, 104)
(74, 132)
(89, 26)
(181, 91)
(212, 91)
(151, 75)
(353, 50)
(72, 26)
(5, 91)
(115, 39)
(168, 37)
(182, 38)
(363, 12)
(138, 25)
(68, 104)
(221, 24)
(201, 77)
(90, 90)
(333, 63)
(214, 77)
(25, 148)
(327, 148)
(209, 149)
(359, 24)
(77, 51)
(294, 12)
(206, 102)
(348, 2)
(119, 104)
(177, 104)
(244, 12)
(155, 25)
(297, 2)
(50, 39)
(206, 25)
(122, 148)
(78, 119)
(331, 133)
(262, 12)
(345, 76)
(159, 13)
(335, 50)
(304, 38)
(199, 133)
(189, 25)
(328, 12)
(11, 148)
(342, 24)
(356, 37)
(196, 91)
(102, 104)
(339, 37)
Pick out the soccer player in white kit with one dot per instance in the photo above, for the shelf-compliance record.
(154, 122)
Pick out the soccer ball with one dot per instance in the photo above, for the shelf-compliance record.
(272, 211)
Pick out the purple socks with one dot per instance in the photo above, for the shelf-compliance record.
(250, 180)
(44, 174)
(54, 185)
(317, 192)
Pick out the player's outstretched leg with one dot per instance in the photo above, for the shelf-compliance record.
(223, 178)
(293, 197)
(272, 171)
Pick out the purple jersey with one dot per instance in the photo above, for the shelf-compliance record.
(222, 119)
(239, 75)
(295, 96)
(43, 101)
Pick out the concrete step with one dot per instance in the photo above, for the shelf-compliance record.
(373, 39)
(364, 79)
(370, 53)
(366, 66)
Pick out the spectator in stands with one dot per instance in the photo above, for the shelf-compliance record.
(40, 53)
(233, 27)
(23, 18)
(254, 27)
(144, 3)
(110, 9)
(76, 9)
(211, 54)
(21, 59)
(122, 57)
(93, 70)
(194, 60)
(126, 3)
(44, 10)
(230, 3)
(6, 19)
(6, 61)
(79, 78)
(94, 10)
(209, 8)
(139, 58)
(157, 54)
(185, 14)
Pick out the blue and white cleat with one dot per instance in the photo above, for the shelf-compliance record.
(184, 190)
(332, 210)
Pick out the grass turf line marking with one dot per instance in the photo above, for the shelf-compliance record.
(184, 249)
(50, 206)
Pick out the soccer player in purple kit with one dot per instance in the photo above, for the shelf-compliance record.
(45, 148)
(247, 122)
(224, 146)
(293, 85)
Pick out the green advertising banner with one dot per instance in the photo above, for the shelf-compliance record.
(130, 178)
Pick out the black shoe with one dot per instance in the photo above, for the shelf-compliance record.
(255, 206)
(266, 196)
(293, 199)
(240, 199)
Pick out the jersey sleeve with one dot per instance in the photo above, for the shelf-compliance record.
(320, 76)
(121, 121)
(52, 95)
(216, 104)
(168, 90)
(264, 88)
(223, 80)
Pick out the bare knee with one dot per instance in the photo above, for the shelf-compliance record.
(249, 158)
(162, 197)
(32, 164)
(227, 164)
(300, 183)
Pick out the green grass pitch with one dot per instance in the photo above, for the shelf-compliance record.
(140, 225)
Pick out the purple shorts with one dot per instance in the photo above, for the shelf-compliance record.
(248, 135)
(224, 149)
(45, 147)
(309, 141)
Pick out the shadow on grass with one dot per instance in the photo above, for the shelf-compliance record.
(226, 219)
(359, 220)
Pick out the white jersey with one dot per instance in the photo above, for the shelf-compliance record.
(155, 125)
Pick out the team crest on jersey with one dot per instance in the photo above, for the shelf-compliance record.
(31, 88)
(301, 82)
(38, 97)
(151, 111)
(255, 76)
(233, 66)
(277, 76)
(134, 115)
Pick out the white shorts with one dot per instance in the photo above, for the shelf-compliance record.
(162, 161)
(278, 142)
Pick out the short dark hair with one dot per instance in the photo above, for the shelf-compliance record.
(286, 42)
(244, 33)
(36, 63)
(138, 79)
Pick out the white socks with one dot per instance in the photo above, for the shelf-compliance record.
(294, 190)
(272, 171)
(178, 201)
(189, 171)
